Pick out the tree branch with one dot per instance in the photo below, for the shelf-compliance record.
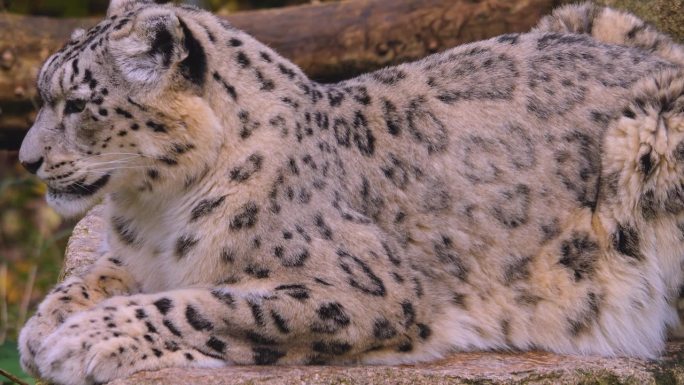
(11, 377)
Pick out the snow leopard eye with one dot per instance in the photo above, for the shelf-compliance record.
(74, 106)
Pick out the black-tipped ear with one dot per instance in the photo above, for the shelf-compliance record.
(194, 66)
(117, 7)
(154, 43)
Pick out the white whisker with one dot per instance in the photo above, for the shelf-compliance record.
(123, 160)
(133, 154)
(118, 168)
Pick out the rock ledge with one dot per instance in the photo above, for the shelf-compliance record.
(464, 368)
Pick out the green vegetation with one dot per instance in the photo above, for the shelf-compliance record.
(32, 242)
(9, 361)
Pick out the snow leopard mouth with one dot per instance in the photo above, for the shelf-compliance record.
(79, 189)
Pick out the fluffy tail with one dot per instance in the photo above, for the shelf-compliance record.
(611, 26)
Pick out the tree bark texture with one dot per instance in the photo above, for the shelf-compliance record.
(329, 41)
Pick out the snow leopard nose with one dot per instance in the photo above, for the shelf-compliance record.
(32, 167)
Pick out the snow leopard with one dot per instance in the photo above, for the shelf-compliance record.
(523, 192)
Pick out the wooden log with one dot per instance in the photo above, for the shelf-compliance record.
(330, 41)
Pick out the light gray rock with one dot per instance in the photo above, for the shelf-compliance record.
(465, 368)
(85, 244)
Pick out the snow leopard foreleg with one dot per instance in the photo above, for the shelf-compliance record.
(106, 278)
(292, 320)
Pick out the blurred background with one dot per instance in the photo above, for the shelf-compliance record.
(81, 8)
(32, 236)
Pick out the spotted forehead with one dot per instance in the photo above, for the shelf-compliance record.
(66, 66)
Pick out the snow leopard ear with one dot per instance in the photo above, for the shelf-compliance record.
(146, 50)
(117, 7)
